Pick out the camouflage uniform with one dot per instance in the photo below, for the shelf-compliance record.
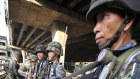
(14, 66)
(130, 63)
(32, 58)
(127, 64)
(41, 69)
(13, 71)
(57, 71)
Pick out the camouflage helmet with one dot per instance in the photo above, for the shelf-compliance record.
(33, 58)
(98, 5)
(55, 47)
(40, 48)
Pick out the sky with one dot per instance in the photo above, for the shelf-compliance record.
(4, 31)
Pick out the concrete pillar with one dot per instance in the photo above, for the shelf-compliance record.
(59, 34)
(10, 34)
(23, 55)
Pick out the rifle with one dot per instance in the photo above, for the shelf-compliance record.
(105, 57)
(29, 74)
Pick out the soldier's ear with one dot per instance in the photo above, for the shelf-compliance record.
(129, 25)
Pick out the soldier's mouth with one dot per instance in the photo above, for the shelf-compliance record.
(99, 41)
(99, 38)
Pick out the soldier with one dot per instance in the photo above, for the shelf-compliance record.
(56, 70)
(114, 21)
(33, 62)
(41, 67)
(14, 66)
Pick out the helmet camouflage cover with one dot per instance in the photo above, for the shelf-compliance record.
(33, 58)
(55, 47)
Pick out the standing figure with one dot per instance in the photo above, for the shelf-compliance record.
(42, 66)
(14, 66)
(55, 68)
(33, 62)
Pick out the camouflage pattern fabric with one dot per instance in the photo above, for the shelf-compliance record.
(13, 70)
(9, 77)
(57, 71)
(41, 69)
(55, 47)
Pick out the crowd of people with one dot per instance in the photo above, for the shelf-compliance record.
(113, 22)
(44, 64)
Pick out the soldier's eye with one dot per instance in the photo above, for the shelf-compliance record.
(100, 16)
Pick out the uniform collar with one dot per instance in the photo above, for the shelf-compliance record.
(129, 45)
(125, 47)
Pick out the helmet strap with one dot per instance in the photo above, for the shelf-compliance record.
(110, 42)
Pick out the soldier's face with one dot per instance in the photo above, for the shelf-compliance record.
(40, 55)
(51, 54)
(33, 63)
(107, 24)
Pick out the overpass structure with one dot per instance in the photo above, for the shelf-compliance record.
(36, 22)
